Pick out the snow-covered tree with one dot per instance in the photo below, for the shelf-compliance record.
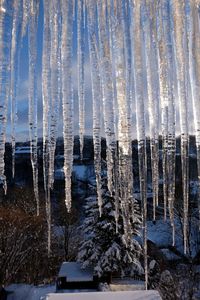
(104, 248)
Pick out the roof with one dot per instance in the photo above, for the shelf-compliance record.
(133, 295)
(170, 255)
(73, 272)
(23, 150)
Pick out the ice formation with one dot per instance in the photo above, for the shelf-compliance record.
(67, 94)
(81, 73)
(182, 79)
(144, 62)
(15, 50)
(96, 96)
(46, 95)
(33, 101)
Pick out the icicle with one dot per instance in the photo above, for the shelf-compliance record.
(16, 37)
(164, 93)
(150, 36)
(180, 48)
(55, 80)
(26, 4)
(123, 104)
(116, 179)
(96, 96)
(194, 68)
(122, 66)
(171, 140)
(107, 86)
(46, 95)
(139, 73)
(32, 35)
(81, 76)
(5, 50)
(46, 87)
(67, 93)
(128, 63)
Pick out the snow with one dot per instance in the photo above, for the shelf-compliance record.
(136, 295)
(22, 150)
(47, 292)
(127, 285)
(80, 171)
(73, 272)
(170, 255)
(59, 174)
(29, 292)
(160, 233)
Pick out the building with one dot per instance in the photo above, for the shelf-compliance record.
(72, 276)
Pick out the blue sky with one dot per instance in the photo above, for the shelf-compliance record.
(23, 85)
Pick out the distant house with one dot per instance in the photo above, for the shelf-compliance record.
(24, 152)
(71, 276)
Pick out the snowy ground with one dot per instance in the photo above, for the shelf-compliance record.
(161, 234)
(136, 295)
(29, 292)
(47, 292)
(126, 285)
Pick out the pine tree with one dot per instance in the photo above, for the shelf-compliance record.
(105, 249)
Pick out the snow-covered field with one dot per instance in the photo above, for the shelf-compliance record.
(29, 292)
(47, 292)
(136, 295)
(127, 285)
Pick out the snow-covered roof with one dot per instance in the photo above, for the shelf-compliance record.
(170, 255)
(22, 150)
(73, 272)
(135, 295)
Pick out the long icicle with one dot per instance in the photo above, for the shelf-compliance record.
(81, 75)
(180, 46)
(55, 81)
(108, 92)
(116, 179)
(140, 118)
(150, 35)
(164, 92)
(96, 96)
(32, 35)
(25, 19)
(194, 68)
(124, 62)
(67, 94)
(171, 146)
(15, 50)
(5, 49)
(123, 107)
(46, 96)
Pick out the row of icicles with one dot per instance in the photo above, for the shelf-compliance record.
(144, 61)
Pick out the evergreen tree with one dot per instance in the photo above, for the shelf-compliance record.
(105, 249)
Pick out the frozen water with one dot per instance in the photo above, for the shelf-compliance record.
(144, 65)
